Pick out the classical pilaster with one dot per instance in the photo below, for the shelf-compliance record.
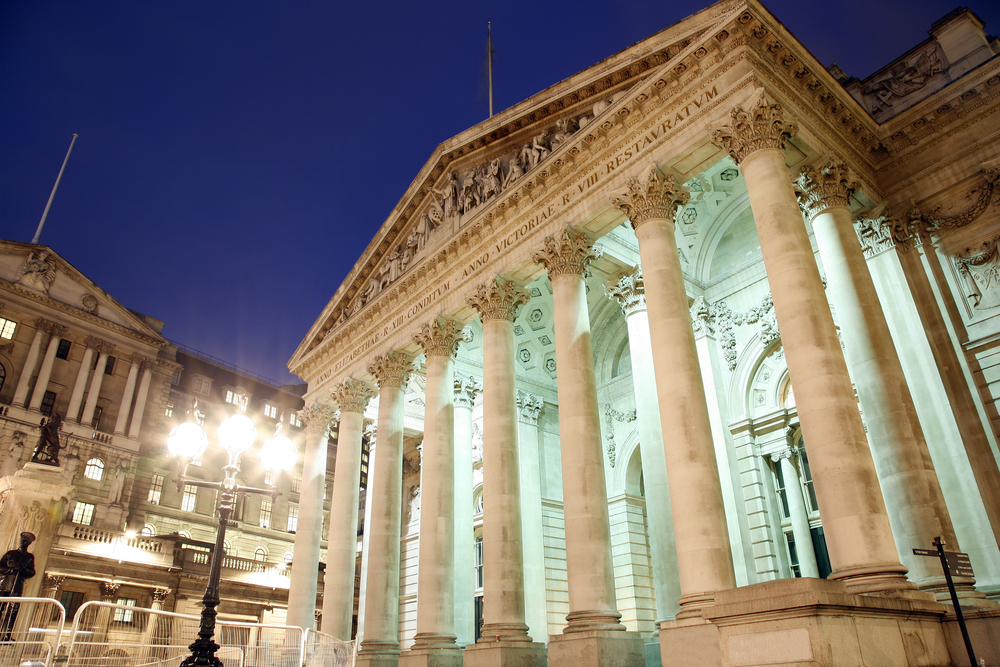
(434, 643)
(21, 391)
(317, 418)
(104, 351)
(157, 597)
(56, 332)
(856, 524)
(704, 559)
(466, 387)
(76, 399)
(380, 645)
(146, 367)
(127, 395)
(913, 498)
(352, 396)
(630, 293)
(529, 407)
(371, 430)
(51, 584)
(797, 512)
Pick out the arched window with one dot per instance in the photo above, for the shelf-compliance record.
(183, 533)
(478, 509)
(148, 531)
(287, 558)
(227, 548)
(260, 554)
(94, 470)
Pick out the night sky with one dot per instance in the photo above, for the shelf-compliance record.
(235, 159)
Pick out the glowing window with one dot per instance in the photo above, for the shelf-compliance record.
(83, 514)
(94, 470)
(201, 386)
(148, 531)
(190, 498)
(293, 518)
(155, 490)
(7, 328)
(271, 410)
(169, 411)
(264, 521)
(260, 554)
(125, 615)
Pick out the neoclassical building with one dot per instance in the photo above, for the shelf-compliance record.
(681, 357)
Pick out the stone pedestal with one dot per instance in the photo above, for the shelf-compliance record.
(33, 499)
(378, 656)
(690, 643)
(984, 633)
(505, 654)
(607, 648)
(431, 657)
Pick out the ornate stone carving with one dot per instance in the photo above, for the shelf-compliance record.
(109, 589)
(89, 303)
(823, 188)
(466, 388)
(983, 194)
(610, 417)
(980, 271)
(441, 337)
(724, 319)
(649, 197)
(317, 418)
(52, 582)
(759, 127)
(51, 327)
(37, 272)
(160, 594)
(529, 407)
(904, 79)
(701, 318)
(884, 232)
(628, 291)
(783, 453)
(352, 395)
(391, 369)
(567, 253)
(7, 348)
(498, 299)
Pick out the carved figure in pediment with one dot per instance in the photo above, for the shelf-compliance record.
(515, 170)
(415, 242)
(38, 271)
(341, 316)
(448, 195)
(564, 128)
(491, 179)
(424, 227)
(904, 78)
(395, 263)
(540, 148)
(471, 196)
(359, 302)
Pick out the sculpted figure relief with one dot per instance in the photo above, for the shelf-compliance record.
(47, 450)
(905, 78)
(38, 271)
(13, 454)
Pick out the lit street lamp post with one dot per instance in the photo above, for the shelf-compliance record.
(237, 434)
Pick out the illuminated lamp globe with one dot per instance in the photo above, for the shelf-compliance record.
(279, 453)
(188, 441)
(237, 434)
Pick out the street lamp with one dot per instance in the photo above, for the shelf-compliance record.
(237, 434)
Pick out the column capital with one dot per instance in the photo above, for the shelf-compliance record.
(827, 187)
(569, 252)
(391, 369)
(101, 346)
(441, 337)
(143, 362)
(529, 406)
(628, 291)
(466, 388)
(352, 395)
(51, 327)
(760, 126)
(884, 232)
(93, 342)
(53, 581)
(160, 594)
(317, 418)
(651, 196)
(783, 453)
(498, 299)
(109, 589)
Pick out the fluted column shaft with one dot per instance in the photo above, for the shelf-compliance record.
(856, 524)
(590, 569)
(21, 391)
(309, 530)
(381, 638)
(140, 400)
(629, 291)
(503, 571)
(536, 613)
(704, 559)
(76, 399)
(342, 541)
(95, 386)
(126, 404)
(45, 372)
(799, 515)
(466, 388)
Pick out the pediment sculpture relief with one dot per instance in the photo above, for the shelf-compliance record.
(904, 79)
(980, 272)
(38, 271)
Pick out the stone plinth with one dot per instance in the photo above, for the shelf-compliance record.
(505, 654)
(984, 633)
(597, 648)
(384, 654)
(692, 642)
(431, 657)
(33, 499)
(819, 622)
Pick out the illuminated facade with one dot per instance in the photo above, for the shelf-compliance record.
(692, 347)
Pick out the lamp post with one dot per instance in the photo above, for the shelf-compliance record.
(237, 434)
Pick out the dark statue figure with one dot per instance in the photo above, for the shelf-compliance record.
(15, 566)
(47, 450)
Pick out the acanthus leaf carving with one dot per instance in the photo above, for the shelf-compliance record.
(829, 186)
(441, 337)
(651, 196)
(391, 369)
(498, 299)
(353, 395)
(569, 252)
(760, 127)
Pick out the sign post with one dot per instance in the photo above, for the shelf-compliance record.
(953, 561)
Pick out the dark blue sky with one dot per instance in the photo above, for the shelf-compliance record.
(235, 159)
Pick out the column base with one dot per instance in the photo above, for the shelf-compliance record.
(505, 654)
(597, 648)
(431, 657)
(652, 649)
(690, 643)
(378, 654)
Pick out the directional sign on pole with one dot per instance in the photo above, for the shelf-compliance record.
(959, 564)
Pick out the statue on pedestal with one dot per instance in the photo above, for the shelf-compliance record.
(12, 456)
(47, 450)
(15, 566)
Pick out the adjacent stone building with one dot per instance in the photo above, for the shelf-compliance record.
(695, 346)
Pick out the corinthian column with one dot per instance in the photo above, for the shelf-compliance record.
(104, 351)
(536, 613)
(630, 293)
(146, 366)
(342, 542)
(466, 388)
(126, 404)
(913, 497)
(704, 559)
(309, 531)
(380, 645)
(859, 538)
(434, 643)
(73, 412)
(56, 331)
(21, 391)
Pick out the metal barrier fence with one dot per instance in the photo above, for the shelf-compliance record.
(30, 630)
(320, 650)
(114, 635)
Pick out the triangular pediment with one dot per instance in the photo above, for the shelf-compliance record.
(39, 273)
(516, 149)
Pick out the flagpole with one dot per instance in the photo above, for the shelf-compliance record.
(489, 60)
(45, 214)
